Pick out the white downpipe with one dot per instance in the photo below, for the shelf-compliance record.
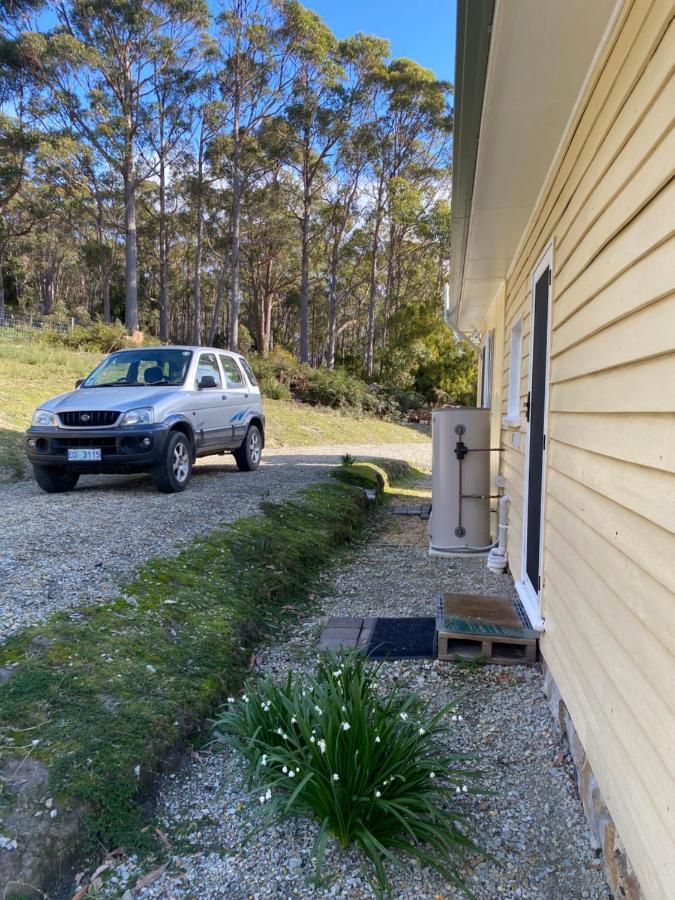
(496, 561)
(447, 315)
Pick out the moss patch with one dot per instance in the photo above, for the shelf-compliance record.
(101, 695)
(363, 475)
(378, 475)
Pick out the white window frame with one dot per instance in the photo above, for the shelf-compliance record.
(512, 417)
(486, 365)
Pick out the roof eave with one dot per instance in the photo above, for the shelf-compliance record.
(474, 28)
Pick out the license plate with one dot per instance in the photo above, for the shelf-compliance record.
(89, 454)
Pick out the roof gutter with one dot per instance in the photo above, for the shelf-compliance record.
(474, 28)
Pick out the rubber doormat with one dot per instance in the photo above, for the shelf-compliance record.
(403, 639)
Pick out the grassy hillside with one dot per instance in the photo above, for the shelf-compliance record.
(32, 373)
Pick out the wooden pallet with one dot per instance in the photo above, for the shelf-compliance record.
(494, 629)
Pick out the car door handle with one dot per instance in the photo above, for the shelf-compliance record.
(246, 396)
(223, 396)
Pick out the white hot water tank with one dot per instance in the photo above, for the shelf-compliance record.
(460, 481)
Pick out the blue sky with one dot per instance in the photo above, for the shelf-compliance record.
(423, 30)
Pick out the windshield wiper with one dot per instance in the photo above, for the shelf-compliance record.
(116, 384)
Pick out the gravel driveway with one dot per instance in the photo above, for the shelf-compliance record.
(63, 550)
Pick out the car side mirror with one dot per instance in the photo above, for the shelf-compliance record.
(78, 382)
(206, 381)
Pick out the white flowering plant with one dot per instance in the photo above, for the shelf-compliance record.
(373, 770)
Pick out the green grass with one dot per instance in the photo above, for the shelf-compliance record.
(293, 424)
(29, 375)
(103, 695)
(32, 373)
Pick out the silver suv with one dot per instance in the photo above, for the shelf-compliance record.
(154, 409)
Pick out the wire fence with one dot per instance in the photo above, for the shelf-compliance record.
(15, 327)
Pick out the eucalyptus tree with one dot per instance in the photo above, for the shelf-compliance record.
(270, 268)
(176, 81)
(99, 67)
(82, 194)
(410, 130)
(315, 117)
(20, 139)
(363, 57)
(253, 69)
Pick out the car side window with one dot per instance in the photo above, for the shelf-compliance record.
(207, 365)
(233, 377)
(248, 370)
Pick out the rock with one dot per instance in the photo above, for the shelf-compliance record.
(36, 840)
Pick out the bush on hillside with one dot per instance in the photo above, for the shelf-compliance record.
(275, 390)
(101, 337)
(333, 388)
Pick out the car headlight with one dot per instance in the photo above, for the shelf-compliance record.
(44, 417)
(141, 416)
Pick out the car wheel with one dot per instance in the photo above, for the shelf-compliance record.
(55, 479)
(248, 456)
(172, 473)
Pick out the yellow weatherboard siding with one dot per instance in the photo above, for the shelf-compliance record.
(608, 591)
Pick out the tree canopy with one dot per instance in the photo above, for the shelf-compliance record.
(230, 172)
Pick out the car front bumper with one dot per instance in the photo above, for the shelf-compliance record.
(122, 449)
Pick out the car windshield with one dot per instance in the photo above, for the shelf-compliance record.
(134, 368)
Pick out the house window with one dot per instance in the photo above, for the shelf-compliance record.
(513, 411)
(486, 355)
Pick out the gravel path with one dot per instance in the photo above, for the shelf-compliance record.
(529, 816)
(63, 550)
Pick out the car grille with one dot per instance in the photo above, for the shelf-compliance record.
(63, 444)
(96, 418)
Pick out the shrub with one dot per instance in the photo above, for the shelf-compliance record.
(336, 389)
(274, 389)
(373, 771)
(101, 337)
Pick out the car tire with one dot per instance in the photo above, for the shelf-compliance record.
(55, 479)
(248, 455)
(172, 473)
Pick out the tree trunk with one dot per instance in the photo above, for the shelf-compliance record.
(233, 336)
(233, 331)
(197, 310)
(304, 284)
(304, 281)
(372, 291)
(266, 326)
(220, 293)
(106, 264)
(389, 291)
(105, 287)
(332, 305)
(130, 250)
(2, 291)
(163, 254)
